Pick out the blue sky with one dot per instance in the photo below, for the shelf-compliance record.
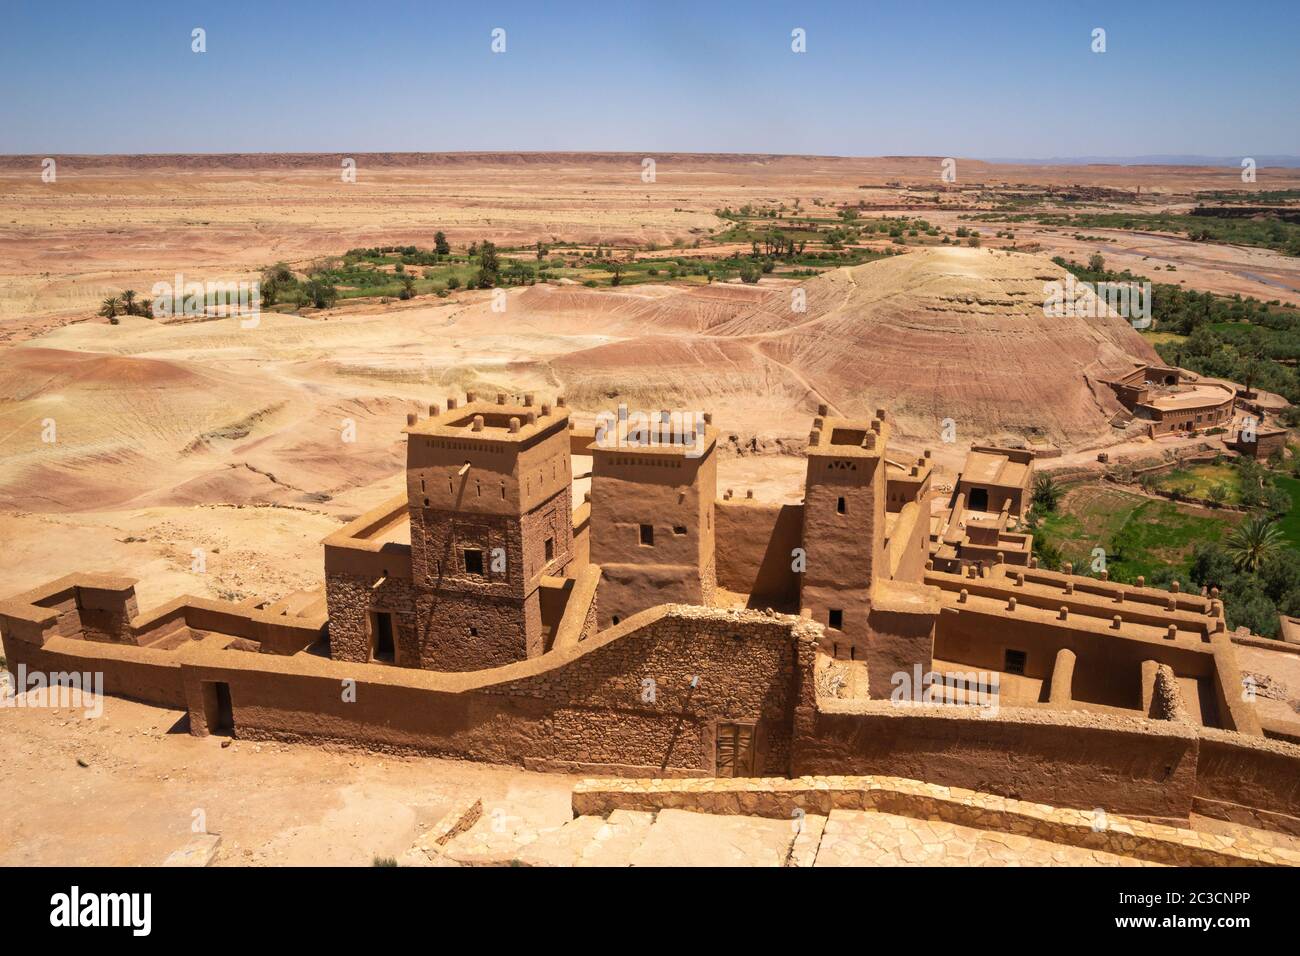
(932, 78)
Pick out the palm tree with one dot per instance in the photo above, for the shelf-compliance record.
(1046, 492)
(128, 302)
(1253, 543)
(109, 307)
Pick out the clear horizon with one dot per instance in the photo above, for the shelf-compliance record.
(938, 79)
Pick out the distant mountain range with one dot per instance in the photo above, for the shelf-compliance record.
(1261, 159)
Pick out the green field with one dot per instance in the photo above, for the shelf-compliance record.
(1290, 522)
(1266, 233)
(1140, 536)
(1197, 481)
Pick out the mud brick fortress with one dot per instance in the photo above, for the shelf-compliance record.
(654, 627)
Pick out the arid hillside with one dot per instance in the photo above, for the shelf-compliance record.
(952, 333)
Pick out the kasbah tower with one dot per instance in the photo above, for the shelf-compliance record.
(488, 487)
(847, 586)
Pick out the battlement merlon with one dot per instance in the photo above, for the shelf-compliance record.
(488, 458)
(517, 425)
(849, 437)
(682, 440)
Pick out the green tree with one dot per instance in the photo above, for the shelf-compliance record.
(321, 293)
(440, 244)
(1254, 542)
(108, 308)
(489, 268)
(128, 302)
(1047, 493)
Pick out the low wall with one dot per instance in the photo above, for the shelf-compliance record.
(794, 799)
(646, 698)
(1067, 759)
(135, 673)
(1251, 780)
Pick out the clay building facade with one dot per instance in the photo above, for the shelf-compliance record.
(1170, 404)
(752, 637)
(652, 529)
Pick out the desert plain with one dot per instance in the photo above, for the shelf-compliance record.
(176, 435)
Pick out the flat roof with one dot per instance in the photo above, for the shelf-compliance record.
(849, 437)
(990, 468)
(459, 422)
(1197, 396)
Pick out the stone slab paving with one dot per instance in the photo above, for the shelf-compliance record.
(614, 843)
(562, 846)
(866, 838)
(684, 838)
(496, 839)
(809, 838)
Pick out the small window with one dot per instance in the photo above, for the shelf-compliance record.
(473, 632)
(647, 534)
(550, 549)
(837, 618)
(839, 506)
(615, 618)
(679, 529)
(473, 561)
(1014, 662)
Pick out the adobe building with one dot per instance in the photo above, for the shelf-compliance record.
(653, 487)
(998, 481)
(1259, 443)
(488, 519)
(474, 616)
(864, 561)
(1160, 396)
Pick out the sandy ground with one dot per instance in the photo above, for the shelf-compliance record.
(147, 784)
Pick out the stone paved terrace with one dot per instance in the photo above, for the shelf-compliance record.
(686, 838)
(849, 821)
(862, 838)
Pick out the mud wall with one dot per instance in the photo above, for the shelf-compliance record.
(754, 544)
(1145, 769)
(645, 699)
(127, 671)
(1249, 780)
